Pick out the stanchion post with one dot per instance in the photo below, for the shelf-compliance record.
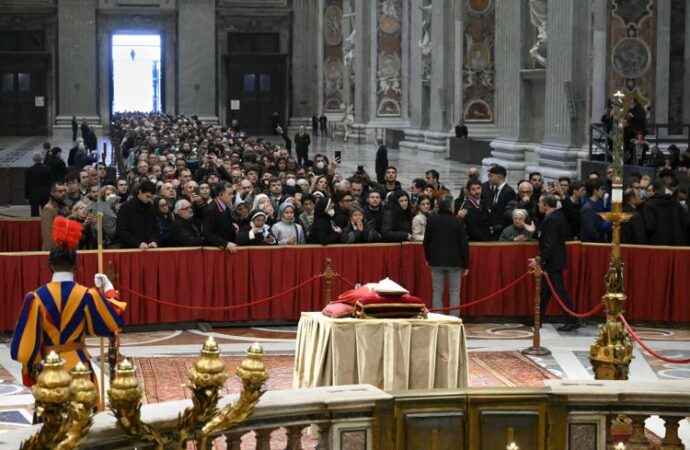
(328, 276)
(536, 349)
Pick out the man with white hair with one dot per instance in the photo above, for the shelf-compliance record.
(183, 231)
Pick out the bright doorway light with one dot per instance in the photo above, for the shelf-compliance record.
(136, 72)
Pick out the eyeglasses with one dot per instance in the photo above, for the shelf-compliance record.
(186, 207)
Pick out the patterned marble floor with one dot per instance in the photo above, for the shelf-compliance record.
(568, 359)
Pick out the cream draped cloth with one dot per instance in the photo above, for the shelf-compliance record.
(392, 354)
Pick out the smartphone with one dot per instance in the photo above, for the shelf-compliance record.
(338, 156)
(360, 169)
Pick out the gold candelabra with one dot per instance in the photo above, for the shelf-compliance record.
(611, 353)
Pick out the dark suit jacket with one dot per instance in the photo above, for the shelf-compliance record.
(553, 232)
(136, 223)
(184, 233)
(381, 163)
(37, 179)
(497, 208)
(477, 222)
(302, 142)
(219, 226)
(445, 241)
(57, 167)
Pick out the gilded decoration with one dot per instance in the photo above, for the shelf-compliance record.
(389, 61)
(478, 61)
(332, 56)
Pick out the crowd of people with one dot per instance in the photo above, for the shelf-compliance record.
(186, 183)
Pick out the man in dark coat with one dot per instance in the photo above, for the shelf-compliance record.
(553, 232)
(57, 166)
(475, 214)
(37, 180)
(315, 125)
(664, 218)
(447, 252)
(592, 227)
(302, 141)
(323, 124)
(461, 130)
(136, 219)
(220, 229)
(496, 194)
(75, 127)
(183, 231)
(323, 231)
(381, 161)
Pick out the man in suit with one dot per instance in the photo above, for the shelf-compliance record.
(381, 161)
(220, 230)
(447, 252)
(57, 166)
(496, 194)
(37, 179)
(474, 213)
(461, 130)
(136, 219)
(553, 233)
(302, 141)
(183, 231)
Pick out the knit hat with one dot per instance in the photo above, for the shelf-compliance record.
(257, 213)
(283, 207)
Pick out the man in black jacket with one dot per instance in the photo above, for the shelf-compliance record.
(37, 180)
(496, 194)
(553, 233)
(474, 213)
(447, 252)
(220, 229)
(302, 141)
(381, 161)
(57, 166)
(665, 220)
(183, 231)
(136, 219)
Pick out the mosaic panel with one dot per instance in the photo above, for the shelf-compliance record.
(333, 55)
(389, 61)
(478, 62)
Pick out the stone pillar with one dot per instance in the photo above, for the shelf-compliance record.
(600, 16)
(414, 135)
(365, 62)
(507, 150)
(686, 86)
(565, 118)
(196, 40)
(304, 66)
(77, 61)
(663, 59)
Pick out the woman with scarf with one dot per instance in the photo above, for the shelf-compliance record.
(256, 232)
(287, 231)
(323, 230)
(396, 224)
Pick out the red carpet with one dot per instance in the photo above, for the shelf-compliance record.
(163, 378)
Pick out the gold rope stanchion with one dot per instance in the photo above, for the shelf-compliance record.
(328, 274)
(536, 349)
(101, 341)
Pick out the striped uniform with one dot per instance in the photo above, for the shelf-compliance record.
(58, 316)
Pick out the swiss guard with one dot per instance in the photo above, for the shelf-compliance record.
(59, 315)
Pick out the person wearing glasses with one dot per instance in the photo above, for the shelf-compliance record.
(183, 231)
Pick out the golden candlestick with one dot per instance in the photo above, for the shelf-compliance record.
(611, 353)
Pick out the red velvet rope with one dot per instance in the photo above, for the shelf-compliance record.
(565, 308)
(219, 308)
(649, 350)
(483, 299)
(345, 280)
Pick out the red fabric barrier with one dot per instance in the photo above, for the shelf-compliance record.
(20, 235)
(657, 280)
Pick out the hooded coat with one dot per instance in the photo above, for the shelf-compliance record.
(396, 223)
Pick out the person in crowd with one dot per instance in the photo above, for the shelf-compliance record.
(520, 230)
(525, 201)
(461, 130)
(42, 327)
(256, 231)
(306, 218)
(474, 213)
(417, 189)
(136, 219)
(315, 125)
(75, 127)
(73, 193)
(323, 124)
(422, 209)
(91, 195)
(54, 208)
(275, 191)
(323, 230)
(287, 231)
(391, 182)
(432, 178)
(37, 181)
(342, 211)
(219, 227)
(122, 190)
(302, 142)
(638, 149)
(373, 211)
(633, 231)
(553, 234)
(572, 206)
(87, 220)
(164, 220)
(263, 203)
(71, 156)
(54, 160)
(356, 231)
(446, 249)
(496, 194)
(537, 182)
(592, 226)
(396, 222)
(665, 220)
(655, 158)
(106, 202)
(381, 161)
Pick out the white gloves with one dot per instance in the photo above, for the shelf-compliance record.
(102, 282)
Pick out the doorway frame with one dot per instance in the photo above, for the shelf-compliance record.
(163, 23)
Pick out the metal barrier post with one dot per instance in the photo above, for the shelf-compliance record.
(328, 275)
(536, 349)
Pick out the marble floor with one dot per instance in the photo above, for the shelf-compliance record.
(568, 359)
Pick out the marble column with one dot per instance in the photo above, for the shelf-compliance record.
(663, 61)
(197, 55)
(565, 118)
(77, 61)
(365, 62)
(414, 134)
(304, 67)
(600, 16)
(507, 149)
(686, 86)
